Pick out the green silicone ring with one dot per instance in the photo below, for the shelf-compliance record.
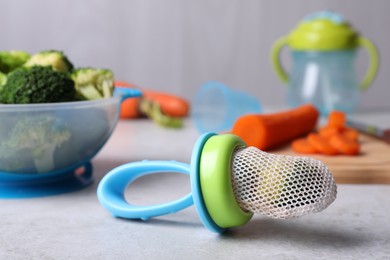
(216, 183)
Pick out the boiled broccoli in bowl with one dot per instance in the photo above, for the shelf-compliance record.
(49, 138)
(3, 80)
(49, 76)
(93, 83)
(37, 85)
(57, 60)
(10, 60)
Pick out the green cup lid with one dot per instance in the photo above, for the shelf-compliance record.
(323, 31)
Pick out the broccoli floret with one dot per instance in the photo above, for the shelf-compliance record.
(56, 59)
(93, 83)
(37, 85)
(10, 60)
(35, 138)
(3, 80)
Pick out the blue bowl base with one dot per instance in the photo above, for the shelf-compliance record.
(69, 181)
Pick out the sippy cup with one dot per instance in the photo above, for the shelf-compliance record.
(323, 50)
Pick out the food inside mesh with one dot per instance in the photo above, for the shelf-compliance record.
(281, 186)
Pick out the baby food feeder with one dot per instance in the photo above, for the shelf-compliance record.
(229, 182)
(15, 185)
(323, 50)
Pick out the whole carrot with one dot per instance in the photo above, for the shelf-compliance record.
(170, 105)
(129, 107)
(266, 131)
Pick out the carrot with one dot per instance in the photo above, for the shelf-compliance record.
(344, 145)
(302, 145)
(265, 131)
(331, 139)
(327, 131)
(321, 144)
(350, 133)
(337, 119)
(170, 105)
(119, 83)
(130, 108)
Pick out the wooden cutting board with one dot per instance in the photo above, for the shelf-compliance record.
(372, 166)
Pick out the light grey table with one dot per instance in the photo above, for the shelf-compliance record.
(76, 226)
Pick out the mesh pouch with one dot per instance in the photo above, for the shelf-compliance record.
(281, 186)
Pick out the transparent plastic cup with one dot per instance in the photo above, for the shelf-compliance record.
(325, 79)
(216, 107)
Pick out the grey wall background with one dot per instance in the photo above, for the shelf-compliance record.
(176, 45)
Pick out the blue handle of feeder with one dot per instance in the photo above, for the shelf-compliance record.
(112, 188)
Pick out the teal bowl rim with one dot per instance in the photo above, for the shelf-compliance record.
(59, 105)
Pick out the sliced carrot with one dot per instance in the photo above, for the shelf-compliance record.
(337, 119)
(344, 145)
(302, 145)
(321, 144)
(327, 131)
(265, 131)
(332, 139)
(350, 133)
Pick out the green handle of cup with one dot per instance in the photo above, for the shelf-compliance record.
(374, 62)
(275, 58)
